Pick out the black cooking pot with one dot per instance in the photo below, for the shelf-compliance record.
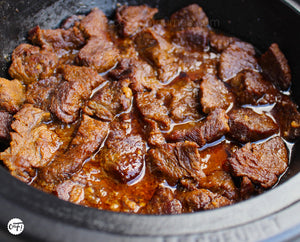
(274, 215)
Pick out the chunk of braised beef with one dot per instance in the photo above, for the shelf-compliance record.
(220, 42)
(195, 63)
(288, 118)
(123, 70)
(222, 183)
(57, 40)
(39, 93)
(251, 88)
(94, 24)
(33, 145)
(218, 179)
(203, 132)
(190, 16)
(195, 38)
(247, 125)
(247, 188)
(12, 95)
(275, 67)
(70, 191)
(5, 122)
(151, 106)
(237, 57)
(99, 53)
(184, 96)
(163, 201)
(30, 63)
(141, 74)
(66, 102)
(214, 94)
(132, 19)
(115, 97)
(262, 163)
(88, 138)
(177, 160)
(156, 50)
(124, 151)
(155, 136)
(69, 96)
(202, 199)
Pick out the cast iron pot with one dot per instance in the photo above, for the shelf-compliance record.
(274, 215)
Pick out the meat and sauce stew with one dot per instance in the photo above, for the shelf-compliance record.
(145, 115)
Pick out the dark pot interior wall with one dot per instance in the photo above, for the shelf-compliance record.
(255, 21)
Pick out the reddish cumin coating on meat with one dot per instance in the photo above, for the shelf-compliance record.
(144, 115)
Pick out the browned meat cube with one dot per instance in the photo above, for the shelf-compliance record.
(184, 103)
(202, 199)
(288, 118)
(112, 99)
(275, 67)
(196, 63)
(261, 163)
(33, 145)
(140, 74)
(237, 57)
(124, 151)
(30, 63)
(57, 40)
(94, 24)
(5, 122)
(132, 19)
(163, 201)
(177, 160)
(66, 102)
(70, 94)
(124, 70)
(195, 38)
(12, 95)
(214, 94)
(213, 161)
(152, 107)
(85, 76)
(247, 188)
(247, 125)
(99, 53)
(156, 50)
(220, 42)
(155, 137)
(90, 135)
(251, 88)
(222, 183)
(190, 16)
(39, 93)
(70, 191)
(213, 128)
